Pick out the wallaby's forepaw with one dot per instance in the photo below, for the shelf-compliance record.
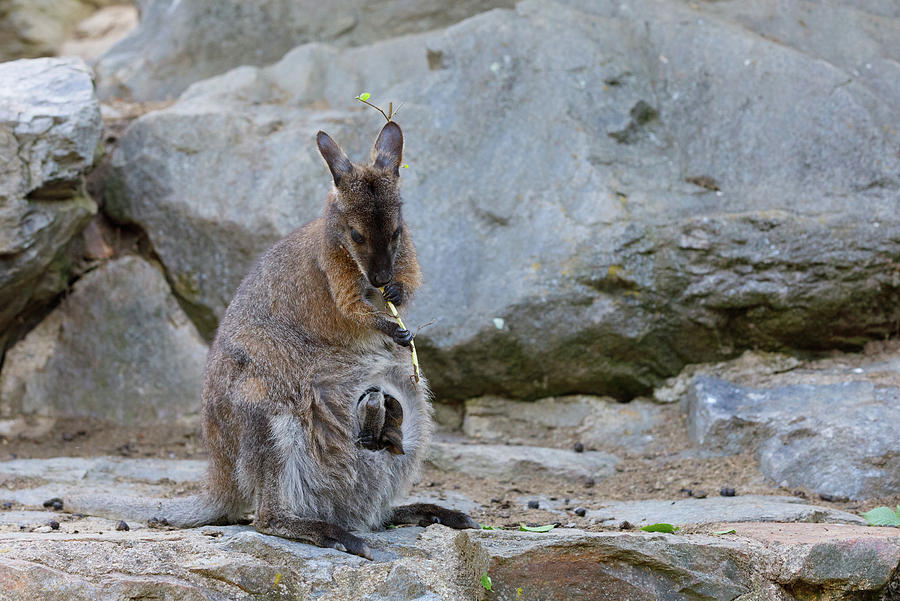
(394, 293)
(402, 336)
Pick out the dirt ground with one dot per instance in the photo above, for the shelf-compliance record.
(662, 471)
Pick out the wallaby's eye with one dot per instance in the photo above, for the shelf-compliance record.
(395, 235)
(357, 237)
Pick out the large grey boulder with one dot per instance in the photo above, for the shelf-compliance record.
(564, 160)
(118, 348)
(830, 428)
(50, 127)
(179, 42)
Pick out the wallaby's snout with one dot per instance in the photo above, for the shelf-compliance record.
(381, 278)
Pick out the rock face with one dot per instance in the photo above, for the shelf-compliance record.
(118, 348)
(831, 428)
(182, 41)
(597, 198)
(49, 130)
(34, 28)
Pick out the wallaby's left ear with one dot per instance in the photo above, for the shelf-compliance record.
(388, 151)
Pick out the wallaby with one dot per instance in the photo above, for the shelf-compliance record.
(310, 415)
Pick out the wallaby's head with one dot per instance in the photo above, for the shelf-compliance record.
(364, 216)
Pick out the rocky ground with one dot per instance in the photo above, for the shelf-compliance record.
(597, 469)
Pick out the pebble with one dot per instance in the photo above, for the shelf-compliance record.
(580, 511)
(533, 505)
(698, 494)
(589, 483)
(625, 525)
(42, 529)
(833, 498)
(122, 526)
(578, 447)
(54, 525)
(727, 492)
(55, 503)
(7, 505)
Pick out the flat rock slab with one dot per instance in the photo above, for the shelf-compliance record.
(596, 422)
(511, 461)
(751, 508)
(760, 561)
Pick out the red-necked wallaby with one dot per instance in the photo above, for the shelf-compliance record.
(310, 415)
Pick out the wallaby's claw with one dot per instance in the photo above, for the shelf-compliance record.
(402, 336)
(353, 545)
(393, 293)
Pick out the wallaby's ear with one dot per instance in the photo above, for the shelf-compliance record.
(337, 161)
(388, 149)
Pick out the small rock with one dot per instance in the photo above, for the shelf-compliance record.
(578, 448)
(158, 523)
(727, 492)
(833, 498)
(68, 436)
(533, 505)
(7, 505)
(580, 511)
(589, 483)
(625, 525)
(54, 525)
(686, 491)
(800, 494)
(41, 529)
(699, 494)
(53, 502)
(122, 526)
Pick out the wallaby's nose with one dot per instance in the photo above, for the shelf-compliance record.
(381, 278)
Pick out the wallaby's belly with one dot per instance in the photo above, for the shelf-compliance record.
(323, 473)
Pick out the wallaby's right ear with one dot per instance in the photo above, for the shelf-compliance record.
(337, 161)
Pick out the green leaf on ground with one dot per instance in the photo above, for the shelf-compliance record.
(486, 582)
(729, 531)
(544, 528)
(486, 527)
(662, 527)
(883, 516)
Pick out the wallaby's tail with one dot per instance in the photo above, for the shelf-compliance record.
(181, 512)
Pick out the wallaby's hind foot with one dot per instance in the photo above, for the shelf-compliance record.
(380, 418)
(316, 532)
(425, 514)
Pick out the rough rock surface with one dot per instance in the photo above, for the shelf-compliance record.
(89, 558)
(34, 28)
(118, 348)
(750, 508)
(561, 421)
(699, 188)
(829, 427)
(49, 130)
(179, 42)
(761, 561)
(511, 461)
